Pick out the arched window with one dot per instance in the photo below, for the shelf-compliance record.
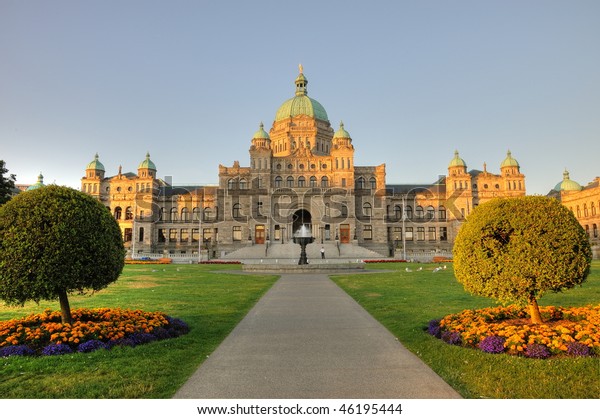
(118, 211)
(207, 214)
(185, 214)
(236, 211)
(173, 214)
(231, 184)
(419, 212)
(243, 184)
(360, 183)
(196, 214)
(301, 182)
(278, 181)
(430, 213)
(397, 212)
(161, 214)
(409, 213)
(313, 181)
(128, 214)
(442, 213)
(373, 183)
(593, 209)
(289, 182)
(344, 210)
(367, 209)
(324, 182)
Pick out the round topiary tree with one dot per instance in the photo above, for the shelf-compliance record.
(516, 249)
(56, 240)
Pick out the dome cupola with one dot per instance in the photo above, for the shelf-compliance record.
(301, 104)
(567, 184)
(509, 161)
(94, 169)
(38, 184)
(457, 161)
(147, 168)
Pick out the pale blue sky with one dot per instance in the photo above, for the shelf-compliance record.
(190, 81)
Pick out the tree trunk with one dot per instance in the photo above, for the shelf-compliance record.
(65, 308)
(534, 311)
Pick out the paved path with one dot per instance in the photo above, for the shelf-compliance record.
(306, 338)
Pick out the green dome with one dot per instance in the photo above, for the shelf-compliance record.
(341, 133)
(457, 161)
(261, 133)
(95, 164)
(147, 164)
(509, 161)
(301, 104)
(567, 184)
(39, 184)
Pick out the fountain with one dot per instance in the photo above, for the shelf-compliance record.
(303, 237)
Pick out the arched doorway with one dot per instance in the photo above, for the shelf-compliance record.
(301, 217)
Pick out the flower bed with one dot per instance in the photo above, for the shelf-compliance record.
(571, 331)
(92, 329)
(384, 260)
(161, 261)
(221, 262)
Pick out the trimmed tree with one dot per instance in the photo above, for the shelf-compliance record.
(516, 249)
(54, 241)
(7, 184)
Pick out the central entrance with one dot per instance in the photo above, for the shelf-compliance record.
(300, 218)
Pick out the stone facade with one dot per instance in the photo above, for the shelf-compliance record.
(301, 173)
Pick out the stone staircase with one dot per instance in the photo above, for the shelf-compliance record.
(291, 252)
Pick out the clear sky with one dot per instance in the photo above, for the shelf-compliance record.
(190, 81)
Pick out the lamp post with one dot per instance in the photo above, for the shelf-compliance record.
(403, 227)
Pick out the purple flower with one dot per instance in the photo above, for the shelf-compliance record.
(16, 350)
(434, 328)
(536, 350)
(91, 345)
(453, 338)
(578, 349)
(57, 349)
(161, 333)
(492, 344)
(177, 327)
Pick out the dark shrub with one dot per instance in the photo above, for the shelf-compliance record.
(536, 350)
(16, 350)
(492, 344)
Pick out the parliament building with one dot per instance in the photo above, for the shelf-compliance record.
(300, 172)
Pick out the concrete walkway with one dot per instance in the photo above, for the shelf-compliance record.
(306, 338)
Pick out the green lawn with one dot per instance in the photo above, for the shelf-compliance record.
(209, 299)
(404, 302)
(212, 300)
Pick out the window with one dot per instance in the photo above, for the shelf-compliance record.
(408, 212)
(313, 182)
(443, 234)
(172, 235)
(430, 213)
(185, 214)
(196, 214)
(442, 213)
(595, 230)
(161, 235)
(360, 183)
(373, 183)
(324, 182)
(277, 233)
(259, 208)
(409, 234)
(128, 214)
(343, 182)
(327, 232)
(278, 181)
(207, 214)
(344, 210)
(368, 232)
(141, 234)
(237, 233)
(236, 211)
(289, 182)
(118, 211)
(420, 233)
(301, 181)
(367, 209)
(419, 212)
(431, 234)
(397, 212)
(587, 230)
(207, 234)
(195, 235)
(397, 234)
(184, 235)
(231, 184)
(173, 214)
(243, 184)
(127, 235)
